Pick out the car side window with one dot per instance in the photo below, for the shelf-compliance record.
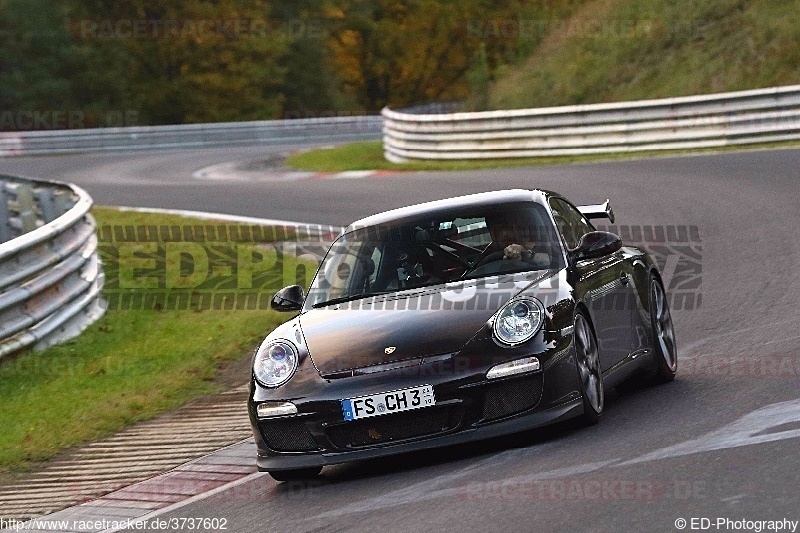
(571, 223)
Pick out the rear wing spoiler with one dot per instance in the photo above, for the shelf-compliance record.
(603, 210)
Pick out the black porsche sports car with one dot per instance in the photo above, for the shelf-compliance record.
(452, 321)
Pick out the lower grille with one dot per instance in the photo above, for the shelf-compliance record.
(288, 435)
(387, 428)
(512, 396)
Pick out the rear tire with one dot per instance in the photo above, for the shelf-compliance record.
(665, 351)
(590, 377)
(298, 474)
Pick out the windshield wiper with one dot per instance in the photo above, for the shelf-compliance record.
(348, 298)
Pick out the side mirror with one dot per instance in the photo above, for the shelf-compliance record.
(596, 244)
(288, 299)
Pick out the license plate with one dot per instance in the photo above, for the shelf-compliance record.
(385, 403)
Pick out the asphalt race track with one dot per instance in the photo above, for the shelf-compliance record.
(720, 441)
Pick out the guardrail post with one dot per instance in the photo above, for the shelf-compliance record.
(5, 215)
(25, 207)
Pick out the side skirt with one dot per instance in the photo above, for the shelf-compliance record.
(634, 362)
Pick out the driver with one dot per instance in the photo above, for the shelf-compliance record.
(514, 238)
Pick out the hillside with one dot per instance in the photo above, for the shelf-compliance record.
(616, 50)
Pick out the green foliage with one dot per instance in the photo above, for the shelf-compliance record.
(419, 51)
(36, 56)
(478, 77)
(311, 87)
(194, 73)
(311, 58)
(616, 50)
(83, 55)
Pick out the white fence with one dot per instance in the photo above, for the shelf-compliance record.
(50, 274)
(334, 129)
(705, 121)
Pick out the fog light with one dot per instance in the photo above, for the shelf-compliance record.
(526, 364)
(268, 410)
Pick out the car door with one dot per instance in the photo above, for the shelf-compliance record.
(605, 283)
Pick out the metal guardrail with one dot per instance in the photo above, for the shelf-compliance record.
(705, 121)
(50, 274)
(190, 135)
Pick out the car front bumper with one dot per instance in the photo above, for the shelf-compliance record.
(468, 407)
(288, 461)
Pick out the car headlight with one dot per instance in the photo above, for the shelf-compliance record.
(518, 321)
(275, 363)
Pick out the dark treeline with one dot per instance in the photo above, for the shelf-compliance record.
(84, 63)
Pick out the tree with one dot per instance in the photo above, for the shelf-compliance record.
(192, 61)
(399, 53)
(311, 86)
(36, 58)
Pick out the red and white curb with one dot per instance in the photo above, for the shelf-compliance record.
(352, 174)
(237, 171)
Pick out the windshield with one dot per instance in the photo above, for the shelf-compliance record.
(436, 249)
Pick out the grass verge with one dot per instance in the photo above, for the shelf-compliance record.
(130, 365)
(619, 50)
(368, 155)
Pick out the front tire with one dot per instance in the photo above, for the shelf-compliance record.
(665, 352)
(590, 377)
(298, 474)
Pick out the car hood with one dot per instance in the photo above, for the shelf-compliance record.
(402, 326)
